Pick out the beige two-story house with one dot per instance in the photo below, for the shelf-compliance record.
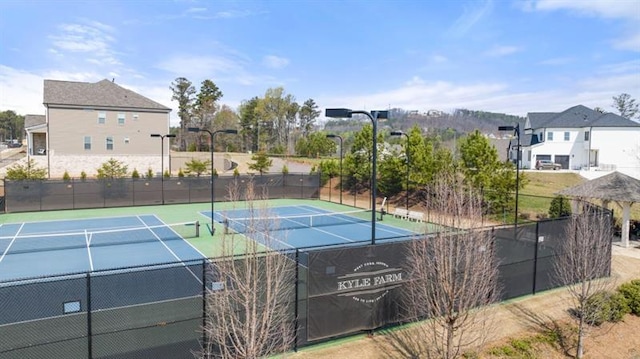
(86, 124)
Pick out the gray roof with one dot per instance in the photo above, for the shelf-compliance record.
(578, 116)
(104, 93)
(614, 186)
(34, 120)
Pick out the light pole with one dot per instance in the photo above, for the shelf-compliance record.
(339, 138)
(373, 116)
(162, 137)
(212, 136)
(516, 132)
(406, 152)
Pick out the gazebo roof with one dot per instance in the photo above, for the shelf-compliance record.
(614, 186)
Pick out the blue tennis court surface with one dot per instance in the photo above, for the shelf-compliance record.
(37, 249)
(308, 226)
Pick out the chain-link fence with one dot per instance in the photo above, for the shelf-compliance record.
(159, 311)
(44, 195)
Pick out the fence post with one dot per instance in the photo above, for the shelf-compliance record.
(205, 342)
(295, 313)
(73, 193)
(535, 257)
(89, 332)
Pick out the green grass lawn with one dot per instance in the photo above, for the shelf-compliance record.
(535, 197)
(547, 183)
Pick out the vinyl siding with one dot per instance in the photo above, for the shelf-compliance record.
(68, 128)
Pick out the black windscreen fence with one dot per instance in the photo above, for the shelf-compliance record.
(159, 311)
(146, 312)
(354, 288)
(44, 195)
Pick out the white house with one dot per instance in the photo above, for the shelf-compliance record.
(580, 138)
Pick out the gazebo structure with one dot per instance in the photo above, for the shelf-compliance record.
(617, 187)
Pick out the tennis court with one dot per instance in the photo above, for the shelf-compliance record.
(303, 226)
(37, 249)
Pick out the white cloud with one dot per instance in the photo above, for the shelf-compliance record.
(275, 62)
(602, 8)
(421, 95)
(20, 91)
(470, 16)
(499, 51)
(230, 69)
(199, 65)
(558, 61)
(439, 59)
(192, 10)
(89, 37)
(629, 41)
(626, 11)
(232, 14)
(632, 66)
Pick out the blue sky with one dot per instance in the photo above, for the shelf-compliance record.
(503, 56)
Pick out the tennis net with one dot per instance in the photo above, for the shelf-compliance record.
(279, 223)
(38, 242)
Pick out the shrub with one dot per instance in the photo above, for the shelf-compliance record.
(166, 174)
(135, 174)
(606, 307)
(83, 176)
(285, 170)
(149, 173)
(180, 173)
(28, 171)
(112, 169)
(631, 292)
(236, 173)
(559, 207)
(66, 177)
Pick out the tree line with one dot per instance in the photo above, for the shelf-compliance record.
(272, 123)
(421, 158)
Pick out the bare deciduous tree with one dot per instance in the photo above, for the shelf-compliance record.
(583, 260)
(453, 278)
(250, 307)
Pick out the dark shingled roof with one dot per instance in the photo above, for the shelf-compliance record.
(34, 120)
(578, 116)
(614, 186)
(100, 94)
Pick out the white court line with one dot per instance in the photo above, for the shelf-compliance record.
(87, 239)
(184, 240)
(11, 243)
(270, 237)
(366, 224)
(169, 249)
(323, 231)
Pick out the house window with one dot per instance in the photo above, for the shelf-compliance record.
(567, 136)
(586, 135)
(121, 119)
(549, 136)
(102, 118)
(87, 142)
(109, 143)
(135, 116)
(126, 140)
